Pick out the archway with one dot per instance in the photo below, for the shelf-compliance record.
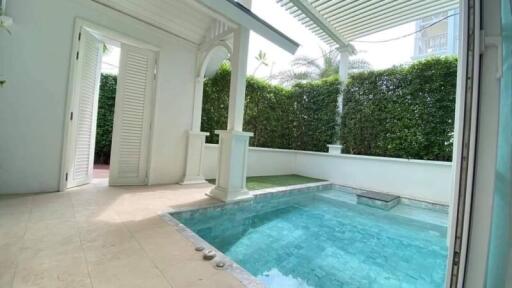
(209, 60)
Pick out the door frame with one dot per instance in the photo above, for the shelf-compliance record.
(465, 141)
(71, 98)
(475, 152)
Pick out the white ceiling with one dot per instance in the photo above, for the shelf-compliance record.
(179, 17)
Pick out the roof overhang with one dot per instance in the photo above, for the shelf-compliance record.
(337, 22)
(239, 14)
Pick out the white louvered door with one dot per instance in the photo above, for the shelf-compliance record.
(84, 110)
(132, 117)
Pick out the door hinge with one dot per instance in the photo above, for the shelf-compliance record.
(77, 54)
(66, 176)
(79, 36)
(71, 116)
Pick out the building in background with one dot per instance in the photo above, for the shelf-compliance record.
(440, 39)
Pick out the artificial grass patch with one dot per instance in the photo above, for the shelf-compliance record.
(263, 182)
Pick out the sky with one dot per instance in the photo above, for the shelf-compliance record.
(381, 55)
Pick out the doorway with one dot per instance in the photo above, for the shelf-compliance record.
(108, 129)
(106, 106)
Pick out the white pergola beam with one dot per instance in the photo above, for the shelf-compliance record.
(311, 13)
(393, 22)
(238, 13)
(377, 8)
(350, 20)
(401, 14)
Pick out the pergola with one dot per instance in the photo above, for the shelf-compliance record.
(337, 22)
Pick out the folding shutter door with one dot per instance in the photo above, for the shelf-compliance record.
(132, 116)
(83, 115)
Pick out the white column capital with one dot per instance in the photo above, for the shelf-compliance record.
(348, 49)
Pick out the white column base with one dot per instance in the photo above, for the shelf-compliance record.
(195, 158)
(232, 166)
(334, 148)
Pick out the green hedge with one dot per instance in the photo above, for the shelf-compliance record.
(105, 120)
(303, 117)
(405, 112)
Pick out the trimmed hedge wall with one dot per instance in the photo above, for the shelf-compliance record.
(404, 112)
(106, 104)
(303, 117)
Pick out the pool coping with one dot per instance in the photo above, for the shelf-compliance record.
(246, 278)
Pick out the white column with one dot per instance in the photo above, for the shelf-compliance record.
(234, 143)
(196, 140)
(238, 78)
(343, 74)
(198, 103)
(344, 64)
(195, 158)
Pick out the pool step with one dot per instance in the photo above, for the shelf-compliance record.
(378, 200)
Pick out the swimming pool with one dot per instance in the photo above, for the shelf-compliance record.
(323, 239)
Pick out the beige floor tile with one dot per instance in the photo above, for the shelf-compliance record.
(52, 214)
(160, 241)
(103, 245)
(15, 204)
(179, 262)
(9, 254)
(49, 230)
(59, 272)
(7, 275)
(106, 236)
(145, 224)
(61, 199)
(125, 270)
(50, 248)
(9, 232)
(190, 272)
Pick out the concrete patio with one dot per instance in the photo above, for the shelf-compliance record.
(100, 236)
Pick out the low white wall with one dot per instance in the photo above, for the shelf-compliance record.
(417, 179)
(422, 180)
(260, 161)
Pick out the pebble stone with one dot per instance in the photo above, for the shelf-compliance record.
(209, 255)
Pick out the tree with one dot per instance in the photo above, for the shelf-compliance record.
(306, 68)
(262, 60)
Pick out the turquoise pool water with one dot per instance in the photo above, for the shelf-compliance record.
(322, 239)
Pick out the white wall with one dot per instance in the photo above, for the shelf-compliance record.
(260, 161)
(422, 180)
(35, 62)
(417, 179)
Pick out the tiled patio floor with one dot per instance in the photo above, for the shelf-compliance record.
(99, 236)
